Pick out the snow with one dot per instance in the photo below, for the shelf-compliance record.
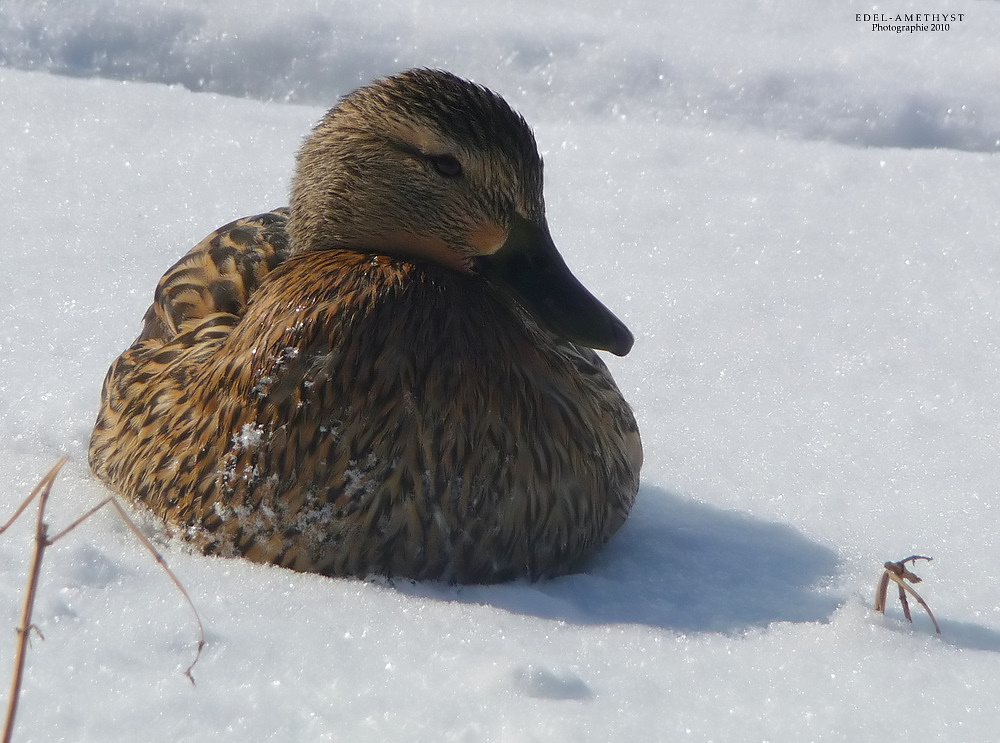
(795, 215)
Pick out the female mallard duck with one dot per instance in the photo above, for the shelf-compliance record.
(395, 376)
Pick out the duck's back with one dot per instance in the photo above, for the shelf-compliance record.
(352, 413)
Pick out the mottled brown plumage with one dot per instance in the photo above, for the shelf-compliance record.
(391, 378)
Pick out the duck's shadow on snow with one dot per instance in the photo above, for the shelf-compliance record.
(681, 565)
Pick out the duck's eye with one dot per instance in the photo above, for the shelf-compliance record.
(447, 165)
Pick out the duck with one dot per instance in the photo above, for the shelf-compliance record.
(396, 375)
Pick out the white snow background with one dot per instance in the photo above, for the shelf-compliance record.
(796, 215)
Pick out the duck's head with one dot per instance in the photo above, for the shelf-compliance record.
(428, 166)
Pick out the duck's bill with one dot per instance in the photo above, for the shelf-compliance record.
(529, 267)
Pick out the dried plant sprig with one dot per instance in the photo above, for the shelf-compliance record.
(170, 574)
(898, 574)
(24, 627)
(43, 540)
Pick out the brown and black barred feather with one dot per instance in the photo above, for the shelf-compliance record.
(218, 274)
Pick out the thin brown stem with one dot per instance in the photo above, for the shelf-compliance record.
(880, 592)
(170, 574)
(24, 627)
(904, 587)
(87, 515)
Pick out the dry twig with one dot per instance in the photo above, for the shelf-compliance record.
(170, 573)
(898, 574)
(43, 540)
(24, 627)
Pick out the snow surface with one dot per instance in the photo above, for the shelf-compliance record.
(796, 215)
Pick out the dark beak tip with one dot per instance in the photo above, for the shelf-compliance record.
(623, 341)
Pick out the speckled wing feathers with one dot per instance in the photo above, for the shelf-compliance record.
(218, 274)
